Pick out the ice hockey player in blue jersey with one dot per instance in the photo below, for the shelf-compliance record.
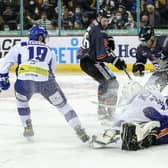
(143, 122)
(35, 74)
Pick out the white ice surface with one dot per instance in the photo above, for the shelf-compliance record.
(55, 145)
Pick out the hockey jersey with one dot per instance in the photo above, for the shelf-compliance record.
(95, 43)
(157, 55)
(135, 111)
(35, 61)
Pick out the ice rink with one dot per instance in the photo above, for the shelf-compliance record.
(55, 144)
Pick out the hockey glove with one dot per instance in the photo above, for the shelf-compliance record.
(111, 43)
(80, 53)
(4, 81)
(138, 69)
(120, 64)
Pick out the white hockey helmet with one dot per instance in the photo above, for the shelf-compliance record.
(130, 90)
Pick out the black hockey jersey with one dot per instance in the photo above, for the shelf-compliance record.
(158, 55)
(95, 43)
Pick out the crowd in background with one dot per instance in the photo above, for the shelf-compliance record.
(77, 14)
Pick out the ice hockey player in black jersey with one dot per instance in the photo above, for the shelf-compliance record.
(97, 48)
(155, 49)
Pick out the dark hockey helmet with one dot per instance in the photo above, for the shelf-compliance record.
(146, 33)
(105, 12)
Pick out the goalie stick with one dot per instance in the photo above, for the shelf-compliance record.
(158, 70)
(108, 105)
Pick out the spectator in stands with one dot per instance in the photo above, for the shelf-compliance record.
(30, 6)
(85, 20)
(77, 15)
(2, 7)
(154, 16)
(67, 19)
(77, 25)
(53, 25)
(47, 8)
(163, 10)
(119, 21)
(10, 18)
(86, 5)
(2, 23)
(144, 20)
(130, 23)
(44, 22)
(70, 5)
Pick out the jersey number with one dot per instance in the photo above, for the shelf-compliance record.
(85, 41)
(41, 53)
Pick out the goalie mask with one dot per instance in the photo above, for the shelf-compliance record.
(130, 90)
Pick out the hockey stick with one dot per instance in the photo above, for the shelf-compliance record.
(106, 105)
(124, 69)
(159, 70)
(127, 74)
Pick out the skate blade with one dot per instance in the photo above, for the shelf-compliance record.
(29, 138)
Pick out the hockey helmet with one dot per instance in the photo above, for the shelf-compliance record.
(105, 12)
(146, 33)
(129, 90)
(36, 31)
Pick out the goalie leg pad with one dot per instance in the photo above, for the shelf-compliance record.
(128, 136)
(139, 136)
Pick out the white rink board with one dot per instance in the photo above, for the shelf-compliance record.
(65, 48)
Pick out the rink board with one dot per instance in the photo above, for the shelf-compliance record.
(65, 50)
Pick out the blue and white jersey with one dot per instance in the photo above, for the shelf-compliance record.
(35, 61)
(134, 111)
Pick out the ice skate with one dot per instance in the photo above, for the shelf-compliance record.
(28, 130)
(105, 117)
(82, 134)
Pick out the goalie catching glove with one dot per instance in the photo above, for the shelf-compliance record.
(4, 81)
(138, 69)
